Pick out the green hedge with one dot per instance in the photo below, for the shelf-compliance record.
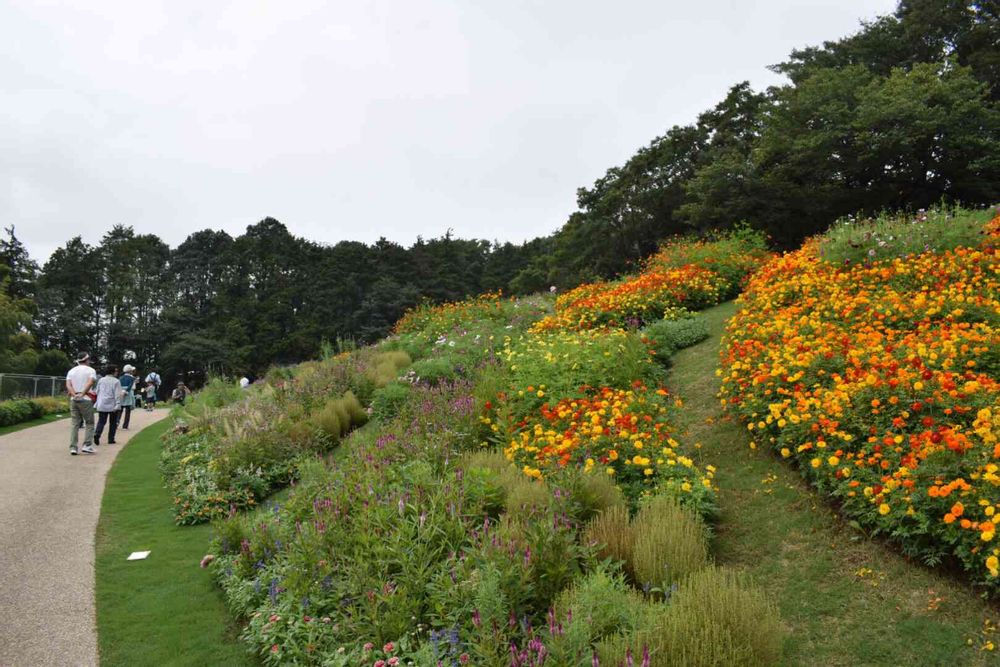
(19, 410)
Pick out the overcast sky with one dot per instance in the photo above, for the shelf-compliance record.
(355, 120)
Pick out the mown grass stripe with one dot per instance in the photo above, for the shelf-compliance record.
(164, 610)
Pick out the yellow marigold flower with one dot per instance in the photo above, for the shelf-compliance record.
(816, 462)
(883, 509)
(786, 452)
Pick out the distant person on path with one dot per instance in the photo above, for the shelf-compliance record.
(180, 393)
(150, 399)
(79, 381)
(244, 382)
(127, 381)
(109, 396)
(153, 377)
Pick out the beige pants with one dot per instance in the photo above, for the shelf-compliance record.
(81, 413)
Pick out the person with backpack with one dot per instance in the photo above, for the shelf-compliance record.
(153, 377)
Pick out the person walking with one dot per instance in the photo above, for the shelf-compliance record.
(150, 399)
(127, 381)
(154, 377)
(79, 381)
(109, 394)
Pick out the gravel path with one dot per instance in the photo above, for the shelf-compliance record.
(51, 502)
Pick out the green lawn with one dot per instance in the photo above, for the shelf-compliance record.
(34, 422)
(845, 599)
(164, 610)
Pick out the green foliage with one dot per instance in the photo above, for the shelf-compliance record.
(570, 361)
(20, 410)
(667, 336)
(887, 236)
(434, 370)
(388, 400)
(716, 617)
(386, 366)
(612, 534)
(670, 543)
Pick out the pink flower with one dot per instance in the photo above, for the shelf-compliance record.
(464, 658)
(380, 663)
(389, 648)
(274, 648)
(393, 661)
(369, 646)
(206, 560)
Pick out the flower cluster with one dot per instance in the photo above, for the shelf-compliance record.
(684, 275)
(438, 320)
(881, 381)
(624, 433)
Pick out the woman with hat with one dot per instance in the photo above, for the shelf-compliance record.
(127, 381)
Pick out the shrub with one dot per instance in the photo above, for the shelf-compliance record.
(597, 608)
(668, 336)
(51, 405)
(435, 370)
(559, 364)
(386, 366)
(670, 543)
(596, 493)
(339, 416)
(388, 400)
(889, 235)
(19, 410)
(715, 618)
(611, 531)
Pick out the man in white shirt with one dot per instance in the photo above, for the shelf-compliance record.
(79, 380)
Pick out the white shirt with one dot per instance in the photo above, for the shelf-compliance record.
(154, 378)
(79, 375)
(108, 391)
(244, 383)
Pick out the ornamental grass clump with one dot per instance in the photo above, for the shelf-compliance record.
(386, 366)
(716, 617)
(612, 534)
(339, 416)
(670, 543)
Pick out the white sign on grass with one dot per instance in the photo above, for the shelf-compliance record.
(138, 555)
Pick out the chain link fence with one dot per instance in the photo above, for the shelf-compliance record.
(17, 385)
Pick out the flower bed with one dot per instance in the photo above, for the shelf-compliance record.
(684, 275)
(422, 543)
(880, 380)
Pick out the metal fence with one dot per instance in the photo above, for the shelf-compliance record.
(17, 385)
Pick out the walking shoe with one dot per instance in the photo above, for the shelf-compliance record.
(72, 451)
(87, 449)
(112, 442)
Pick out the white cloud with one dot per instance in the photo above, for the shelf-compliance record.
(357, 120)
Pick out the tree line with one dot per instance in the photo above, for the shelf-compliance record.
(902, 114)
(219, 304)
